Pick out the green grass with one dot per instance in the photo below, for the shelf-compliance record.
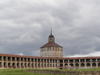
(20, 71)
(17, 72)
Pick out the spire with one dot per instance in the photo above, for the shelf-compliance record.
(51, 31)
(51, 37)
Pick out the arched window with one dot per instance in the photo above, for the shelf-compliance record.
(93, 64)
(4, 64)
(71, 65)
(22, 65)
(17, 64)
(61, 65)
(82, 64)
(99, 64)
(88, 64)
(9, 64)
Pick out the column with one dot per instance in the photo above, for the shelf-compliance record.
(96, 63)
(7, 64)
(68, 62)
(30, 61)
(7, 61)
(19, 59)
(2, 64)
(49, 62)
(34, 62)
(74, 63)
(79, 64)
(2, 58)
(15, 58)
(43, 63)
(63, 64)
(19, 64)
(85, 63)
(46, 63)
(91, 63)
(37, 64)
(52, 62)
(23, 64)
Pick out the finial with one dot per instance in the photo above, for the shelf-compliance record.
(51, 31)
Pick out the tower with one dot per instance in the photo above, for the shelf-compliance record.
(51, 49)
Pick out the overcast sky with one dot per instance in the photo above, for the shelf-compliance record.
(25, 26)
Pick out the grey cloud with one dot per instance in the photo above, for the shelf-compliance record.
(25, 25)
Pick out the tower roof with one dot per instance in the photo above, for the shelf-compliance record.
(51, 44)
(51, 41)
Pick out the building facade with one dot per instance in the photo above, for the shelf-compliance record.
(8, 61)
(51, 57)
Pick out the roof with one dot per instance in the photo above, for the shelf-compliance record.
(61, 58)
(51, 44)
(24, 56)
(88, 57)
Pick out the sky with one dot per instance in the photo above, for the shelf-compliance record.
(25, 26)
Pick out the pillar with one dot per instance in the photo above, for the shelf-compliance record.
(79, 64)
(74, 63)
(96, 63)
(85, 63)
(91, 63)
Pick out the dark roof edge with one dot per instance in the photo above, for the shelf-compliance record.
(51, 46)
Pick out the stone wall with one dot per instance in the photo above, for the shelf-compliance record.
(51, 52)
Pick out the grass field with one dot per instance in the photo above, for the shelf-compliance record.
(20, 71)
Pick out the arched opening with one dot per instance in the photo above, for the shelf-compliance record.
(88, 64)
(9, 64)
(22, 65)
(13, 64)
(47, 65)
(28, 64)
(61, 65)
(39, 65)
(44, 65)
(98, 64)
(5, 64)
(0, 57)
(93, 64)
(76, 65)
(0, 64)
(18, 65)
(25, 65)
(32, 65)
(66, 64)
(82, 64)
(71, 65)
